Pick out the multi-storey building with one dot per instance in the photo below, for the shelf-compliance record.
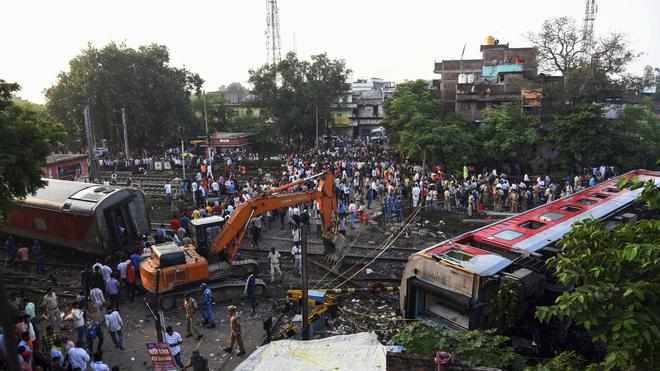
(502, 75)
(361, 110)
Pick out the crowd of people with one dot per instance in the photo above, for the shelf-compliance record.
(369, 181)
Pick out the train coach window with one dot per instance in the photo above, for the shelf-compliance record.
(458, 255)
(570, 208)
(612, 190)
(531, 224)
(551, 216)
(599, 195)
(507, 235)
(586, 201)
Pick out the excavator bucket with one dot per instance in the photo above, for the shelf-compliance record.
(334, 246)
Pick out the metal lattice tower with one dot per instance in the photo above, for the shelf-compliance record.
(273, 43)
(589, 19)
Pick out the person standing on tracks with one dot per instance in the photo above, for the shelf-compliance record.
(174, 340)
(112, 289)
(250, 290)
(37, 256)
(97, 299)
(52, 309)
(274, 259)
(114, 324)
(235, 332)
(297, 257)
(207, 306)
(190, 306)
(257, 226)
(10, 245)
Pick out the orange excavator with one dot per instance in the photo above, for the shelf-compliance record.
(171, 268)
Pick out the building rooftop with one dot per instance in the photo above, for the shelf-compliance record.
(62, 157)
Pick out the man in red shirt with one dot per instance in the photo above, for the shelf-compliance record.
(175, 224)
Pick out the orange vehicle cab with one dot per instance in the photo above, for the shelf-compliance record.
(177, 265)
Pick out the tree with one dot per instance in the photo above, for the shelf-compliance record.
(559, 45)
(293, 91)
(234, 93)
(26, 136)
(616, 280)
(155, 95)
(508, 135)
(415, 127)
(589, 73)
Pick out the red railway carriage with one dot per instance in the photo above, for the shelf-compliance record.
(88, 217)
(455, 280)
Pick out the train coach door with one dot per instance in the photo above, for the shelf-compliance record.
(120, 224)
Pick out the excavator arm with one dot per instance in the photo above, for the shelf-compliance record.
(229, 239)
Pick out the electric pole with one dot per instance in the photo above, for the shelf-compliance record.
(123, 121)
(91, 144)
(305, 285)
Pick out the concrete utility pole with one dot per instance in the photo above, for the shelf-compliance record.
(91, 144)
(123, 121)
(316, 113)
(305, 285)
(206, 127)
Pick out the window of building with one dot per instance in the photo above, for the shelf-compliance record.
(531, 224)
(507, 235)
(551, 216)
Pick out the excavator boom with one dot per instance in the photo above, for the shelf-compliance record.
(229, 239)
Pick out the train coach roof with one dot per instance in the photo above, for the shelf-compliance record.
(63, 194)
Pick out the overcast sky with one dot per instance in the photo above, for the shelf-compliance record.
(221, 40)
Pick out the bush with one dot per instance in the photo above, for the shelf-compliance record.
(471, 348)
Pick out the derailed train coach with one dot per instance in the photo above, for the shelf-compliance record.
(87, 217)
(456, 281)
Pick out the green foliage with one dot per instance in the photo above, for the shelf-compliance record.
(156, 96)
(293, 90)
(617, 290)
(508, 134)
(565, 361)
(27, 135)
(416, 129)
(506, 305)
(472, 348)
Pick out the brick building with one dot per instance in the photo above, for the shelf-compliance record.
(502, 75)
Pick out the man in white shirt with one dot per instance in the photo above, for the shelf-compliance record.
(106, 271)
(174, 340)
(98, 364)
(78, 357)
(274, 259)
(97, 299)
(297, 257)
(114, 324)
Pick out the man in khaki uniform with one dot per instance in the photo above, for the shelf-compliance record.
(192, 328)
(235, 331)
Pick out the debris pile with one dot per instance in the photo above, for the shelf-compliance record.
(367, 312)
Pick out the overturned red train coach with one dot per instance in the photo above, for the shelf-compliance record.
(88, 217)
(455, 280)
